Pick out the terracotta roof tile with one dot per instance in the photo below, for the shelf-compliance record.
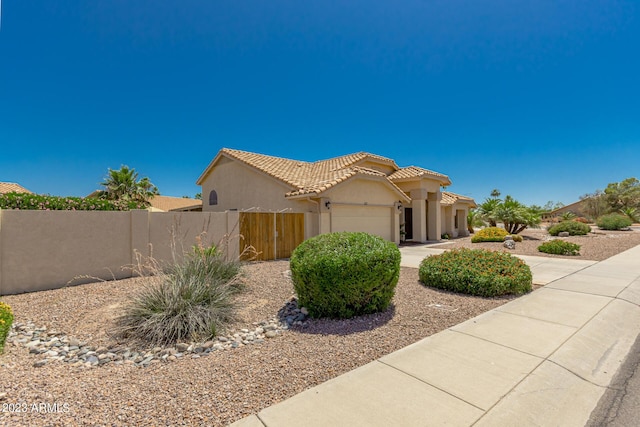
(412, 172)
(449, 198)
(10, 187)
(167, 203)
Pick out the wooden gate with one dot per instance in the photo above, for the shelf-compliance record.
(272, 235)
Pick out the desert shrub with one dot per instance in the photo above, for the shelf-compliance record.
(516, 237)
(27, 201)
(476, 272)
(581, 219)
(559, 247)
(445, 236)
(490, 234)
(574, 228)
(190, 300)
(613, 222)
(341, 275)
(6, 319)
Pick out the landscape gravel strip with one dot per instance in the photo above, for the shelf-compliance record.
(215, 388)
(595, 246)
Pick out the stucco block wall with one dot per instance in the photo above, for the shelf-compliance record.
(241, 187)
(42, 250)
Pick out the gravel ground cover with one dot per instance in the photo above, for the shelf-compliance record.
(220, 387)
(595, 246)
(225, 385)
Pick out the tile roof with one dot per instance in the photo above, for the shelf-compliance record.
(11, 187)
(319, 176)
(331, 178)
(167, 203)
(449, 198)
(412, 172)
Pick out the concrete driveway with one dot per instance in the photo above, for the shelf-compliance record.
(544, 269)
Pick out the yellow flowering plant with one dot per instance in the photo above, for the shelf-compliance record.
(6, 320)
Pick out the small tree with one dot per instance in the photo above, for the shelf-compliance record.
(594, 204)
(623, 194)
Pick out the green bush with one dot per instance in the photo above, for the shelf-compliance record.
(27, 201)
(190, 300)
(6, 319)
(613, 222)
(574, 228)
(342, 275)
(490, 234)
(559, 247)
(476, 272)
(516, 237)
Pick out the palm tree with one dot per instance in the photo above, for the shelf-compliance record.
(487, 209)
(123, 184)
(515, 216)
(474, 220)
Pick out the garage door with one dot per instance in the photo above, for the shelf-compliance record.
(370, 219)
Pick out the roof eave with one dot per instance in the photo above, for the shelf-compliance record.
(211, 165)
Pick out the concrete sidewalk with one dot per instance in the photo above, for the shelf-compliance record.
(544, 359)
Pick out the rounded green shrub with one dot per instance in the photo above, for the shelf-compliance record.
(345, 274)
(559, 247)
(6, 319)
(574, 228)
(516, 237)
(613, 222)
(490, 234)
(477, 272)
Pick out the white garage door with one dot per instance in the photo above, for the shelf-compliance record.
(370, 219)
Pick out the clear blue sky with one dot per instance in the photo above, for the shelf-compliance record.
(540, 99)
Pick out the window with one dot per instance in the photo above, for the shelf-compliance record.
(213, 198)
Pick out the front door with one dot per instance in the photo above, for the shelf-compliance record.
(408, 223)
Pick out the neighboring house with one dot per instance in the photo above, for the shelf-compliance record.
(577, 208)
(11, 187)
(355, 192)
(175, 204)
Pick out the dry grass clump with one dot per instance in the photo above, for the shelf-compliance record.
(188, 300)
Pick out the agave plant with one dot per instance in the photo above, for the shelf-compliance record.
(632, 213)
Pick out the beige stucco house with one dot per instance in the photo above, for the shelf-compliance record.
(355, 192)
